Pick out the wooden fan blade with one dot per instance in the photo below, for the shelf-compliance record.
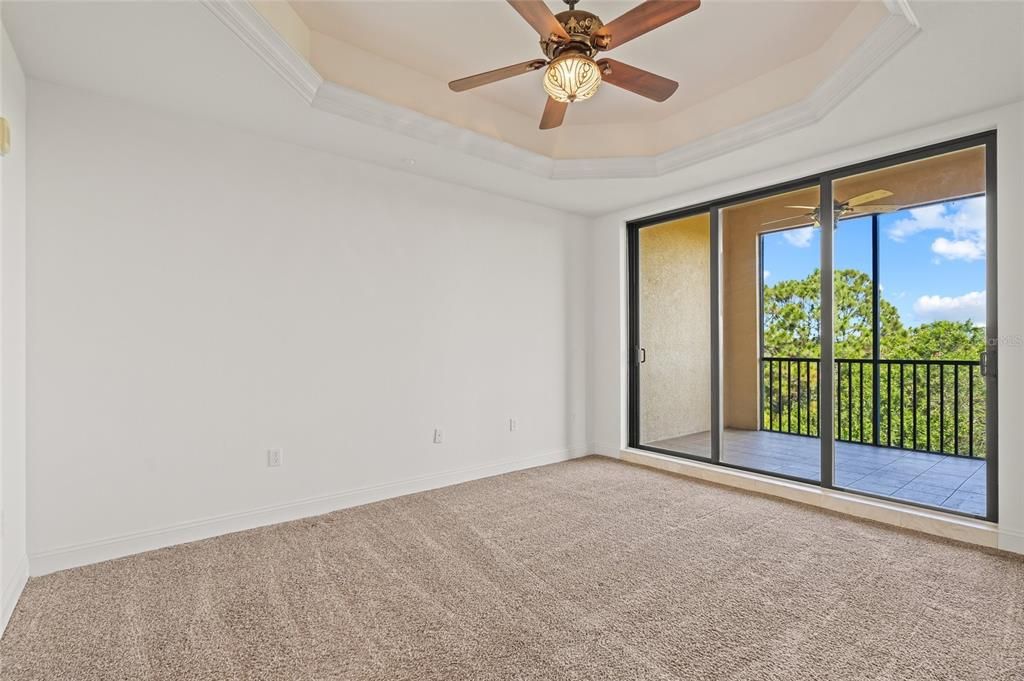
(645, 17)
(792, 217)
(538, 15)
(554, 114)
(636, 80)
(868, 198)
(470, 82)
(877, 208)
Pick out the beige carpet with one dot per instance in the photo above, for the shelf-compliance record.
(592, 569)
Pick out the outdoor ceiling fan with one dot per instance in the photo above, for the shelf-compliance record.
(570, 40)
(857, 205)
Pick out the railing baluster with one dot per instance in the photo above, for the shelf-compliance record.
(942, 408)
(799, 396)
(839, 400)
(903, 399)
(970, 411)
(849, 402)
(888, 404)
(789, 393)
(913, 367)
(956, 409)
(860, 367)
(817, 396)
(928, 406)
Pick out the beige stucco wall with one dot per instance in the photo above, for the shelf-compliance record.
(944, 177)
(675, 328)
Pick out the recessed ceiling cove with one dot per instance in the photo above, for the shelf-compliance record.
(745, 70)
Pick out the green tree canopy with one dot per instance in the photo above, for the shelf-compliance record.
(792, 323)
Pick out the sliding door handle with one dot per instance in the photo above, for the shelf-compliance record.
(987, 363)
(643, 355)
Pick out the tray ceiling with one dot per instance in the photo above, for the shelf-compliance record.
(717, 48)
(747, 70)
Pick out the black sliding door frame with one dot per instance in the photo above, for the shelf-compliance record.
(824, 182)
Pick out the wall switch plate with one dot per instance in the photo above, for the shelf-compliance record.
(438, 436)
(512, 424)
(274, 457)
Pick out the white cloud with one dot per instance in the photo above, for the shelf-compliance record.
(963, 220)
(958, 249)
(767, 274)
(952, 308)
(800, 237)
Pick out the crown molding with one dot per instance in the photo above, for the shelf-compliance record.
(364, 108)
(895, 31)
(257, 33)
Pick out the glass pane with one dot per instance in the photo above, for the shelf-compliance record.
(675, 335)
(909, 314)
(770, 334)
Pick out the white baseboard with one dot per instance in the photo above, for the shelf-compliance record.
(12, 592)
(605, 449)
(1011, 540)
(65, 557)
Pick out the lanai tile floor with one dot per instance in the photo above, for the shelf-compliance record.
(949, 482)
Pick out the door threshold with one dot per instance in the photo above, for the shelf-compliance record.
(936, 523)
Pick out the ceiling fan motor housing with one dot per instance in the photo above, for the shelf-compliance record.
(581, 27)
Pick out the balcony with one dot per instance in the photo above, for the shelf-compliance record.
(919, 437)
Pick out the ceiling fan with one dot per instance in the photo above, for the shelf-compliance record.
(857, 205)
(571, 39)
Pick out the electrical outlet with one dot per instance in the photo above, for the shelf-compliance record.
(512, 424)
(274, 457)
(438, 436)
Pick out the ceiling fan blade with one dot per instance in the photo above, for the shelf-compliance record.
(470, 82)
(791, 217)
(636, 80)
(868, 198)
(554, 114)
(538, 15)
(645, 17)
(877, 208)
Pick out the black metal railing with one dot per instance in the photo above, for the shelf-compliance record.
(923, 405)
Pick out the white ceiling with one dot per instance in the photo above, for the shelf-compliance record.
(714, 49)
(180, 58)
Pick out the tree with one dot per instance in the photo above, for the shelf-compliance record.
(913, 396)
(792, 317)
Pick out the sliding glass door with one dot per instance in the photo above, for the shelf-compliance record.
(911, 331)
(837, 330)
(771, 310)
(673, 353)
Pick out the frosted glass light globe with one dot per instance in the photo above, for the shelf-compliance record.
(572, 78)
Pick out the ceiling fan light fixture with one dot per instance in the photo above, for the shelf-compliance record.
(572, 77)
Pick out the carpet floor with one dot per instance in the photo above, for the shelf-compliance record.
(590, 569)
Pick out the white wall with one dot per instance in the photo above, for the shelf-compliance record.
(955, 47)
(199, 295)
(13, 557)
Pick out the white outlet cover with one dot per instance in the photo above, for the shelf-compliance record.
(274, 457)
(438, 436)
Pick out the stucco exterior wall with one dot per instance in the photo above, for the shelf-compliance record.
(675, 328)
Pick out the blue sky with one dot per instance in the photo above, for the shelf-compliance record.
(932, 258)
